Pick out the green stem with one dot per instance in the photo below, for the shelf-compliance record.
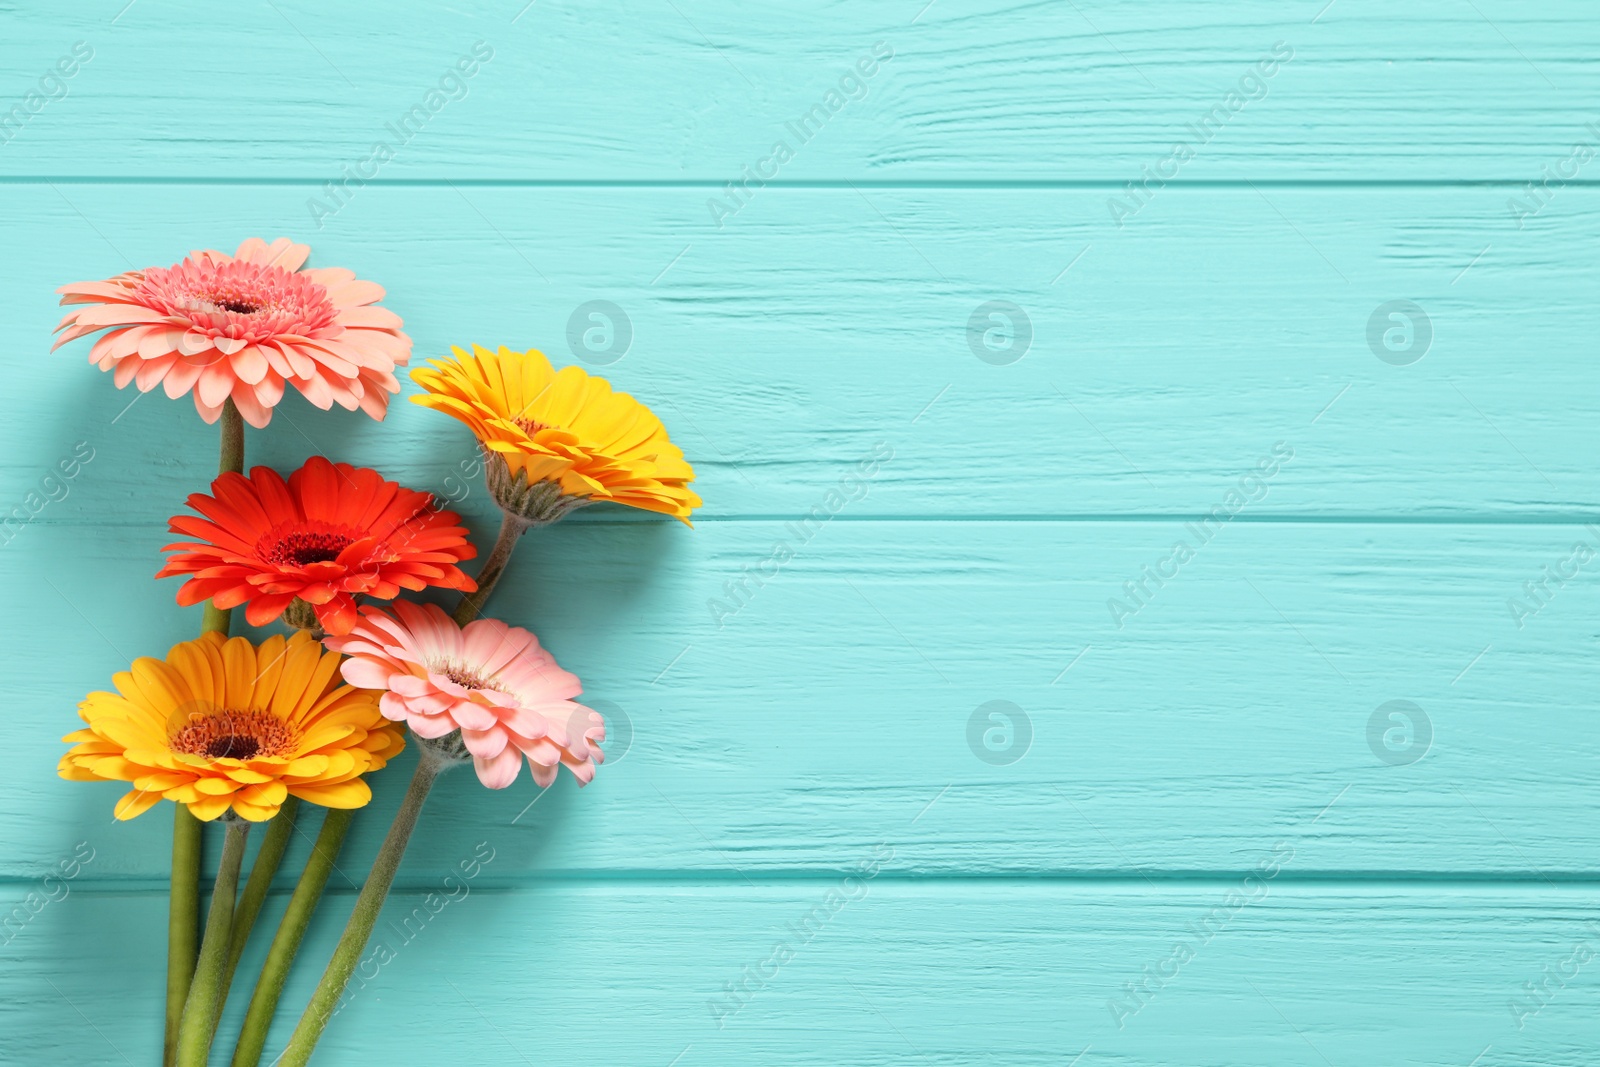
(511, 528)
(199, 1011)
(365, 914)
(269, 987)
(255, 890)
(216, 619)
(183, 922)
(183, 913)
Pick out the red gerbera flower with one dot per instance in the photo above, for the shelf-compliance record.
(330, 532)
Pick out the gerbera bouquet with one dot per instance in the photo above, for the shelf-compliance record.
(239, 731)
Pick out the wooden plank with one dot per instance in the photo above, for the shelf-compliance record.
(1164, 366)
(1234, 705)
(644, 91)
(893, 973)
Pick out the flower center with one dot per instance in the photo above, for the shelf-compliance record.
(530, 426)
(462, 676)
(242, 296)
(232, 747)
(299, 548)
(252, 301)
(235, 735)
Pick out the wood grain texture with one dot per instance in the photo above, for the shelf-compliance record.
(1231, 708)
(902, 973)
(1163, 365)
(649, 91)
(1211, 734)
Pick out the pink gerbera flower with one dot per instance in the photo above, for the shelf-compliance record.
(243, 326)
(491, 681)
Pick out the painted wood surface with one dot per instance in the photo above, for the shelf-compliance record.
(990, 91)
(893, 972)
(1232, 707)
(1374, 680)
(1161, 368)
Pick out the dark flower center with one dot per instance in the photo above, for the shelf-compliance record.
(304, 547)
(264, 299)
(234, 735)
(233, 746)
(464, 678)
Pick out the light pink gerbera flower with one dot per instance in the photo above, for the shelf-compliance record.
(491, 681)
(243, 326)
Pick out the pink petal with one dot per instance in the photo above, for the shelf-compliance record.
(409, 685)
(118, 344)
(472, 716)
(316, 390)
(372, 317)
(181, 378)
(250, 364)
(376, 405)
(216, 382)
(355, 293)
(118, 315)
(484, 743)
(250, 408)
(269, 390)
(431, 725)
(280, 253)
(395, 708)
(326, 276)
(525, 723)
(156, 343)
(152, 371)
(362, 673)
(500, 771)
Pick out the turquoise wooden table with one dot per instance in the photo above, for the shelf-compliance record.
(1144, 608)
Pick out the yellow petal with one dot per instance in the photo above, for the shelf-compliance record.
(300, 660)
(307, 766)
(246, 775)
(270, 794)
(160, 783)
(125, 733)
(351, 794)
(270, 659)
(254, 812)
(113, 768)
(239, 665)
(190, 660)
(323, 734)
(158, 686)
(208, 808)
(136, 803)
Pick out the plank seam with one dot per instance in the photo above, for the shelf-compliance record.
(842, 184)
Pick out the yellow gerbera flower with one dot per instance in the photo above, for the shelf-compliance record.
(222, 723)
(562, 431)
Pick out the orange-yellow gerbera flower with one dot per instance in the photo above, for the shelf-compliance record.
(222, 723)
(241, 327)
(562, 431)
